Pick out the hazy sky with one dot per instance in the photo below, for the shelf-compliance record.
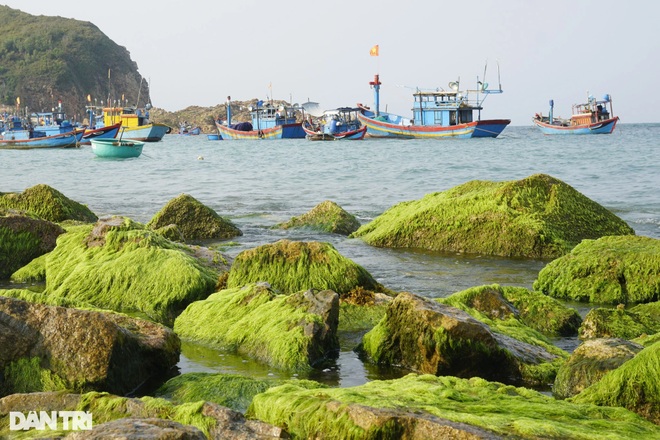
(196, 52)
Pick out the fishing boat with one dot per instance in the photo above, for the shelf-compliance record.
(592, 117)
(436, 114)
(189, 130)
(109, 132)
(18, 135)
(135, 123)
(334, 125)
(117, 148)
(268, 122)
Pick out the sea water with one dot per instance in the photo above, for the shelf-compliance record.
(257, 184)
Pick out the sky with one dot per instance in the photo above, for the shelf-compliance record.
(198, 52)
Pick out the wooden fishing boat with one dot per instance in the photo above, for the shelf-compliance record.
(335, 125)
(109, 132)
(436, 114)
(117, 148)
(268, 122)
(21, 139)
(189, 130)
(135, 123)
(592, 117)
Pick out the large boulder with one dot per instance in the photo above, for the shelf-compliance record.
(47, 348)
(327, 216)
(22, 239)
(118, 265)
(589, 363)
(136, 428)
(617, 323)
(48, 204)
(429, 407)
(428, 337)
(609, 270)
(194, 220)
(538, 217)
(291, 266)
(292, 332)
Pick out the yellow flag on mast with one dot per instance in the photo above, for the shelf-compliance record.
(374, 51)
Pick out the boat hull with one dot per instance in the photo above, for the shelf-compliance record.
(63, 140)
(285, 131)
(109, 132)
(600, 127)
(117, 148)
(383, 129)
(346, 135)
(145, 133)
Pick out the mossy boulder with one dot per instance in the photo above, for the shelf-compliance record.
(291, 266)
(48, 204)
(327, 217)
(292, 332)
(635, 385)
(140, 428)
(617, 323)
(194, 220)
(118, 265)
(429, 337)
(47, 348)
(538, 217)
(425, 406)
(22, 239)
(609, 270)
(589, 363)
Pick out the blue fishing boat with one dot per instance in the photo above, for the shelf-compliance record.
(436, 114)
(335, 125)
(22, 136)
(592, 117)
(109, 132)
(117, 148)
(51, 123)
(268, 122)
(188, 130)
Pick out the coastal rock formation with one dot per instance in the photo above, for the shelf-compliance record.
(589, 363)
(429, 407)
(537, 217)
(292, 266)
(617, 323)
(610, 270)
(47, 203)
(326, 216)
(23, 239)
(48, 348)
(144, 429)
(194, 220)
(291, 332)
(429, 337)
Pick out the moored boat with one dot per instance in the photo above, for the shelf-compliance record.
(436, 114)
(117, 148)
(592, 117)
(189, 130)
(135, 123)
(109, 132)
(338, 124)
(268, 122)
(20, 137)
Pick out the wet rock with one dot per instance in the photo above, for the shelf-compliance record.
(48, 204)
(143, 429)
(326, 216)
(617, 323)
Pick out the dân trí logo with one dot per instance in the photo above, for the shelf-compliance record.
(53, 420)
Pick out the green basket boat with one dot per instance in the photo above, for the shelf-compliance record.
(117, 147)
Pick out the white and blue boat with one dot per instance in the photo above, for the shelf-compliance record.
(333, 125)
(592, 117)
(21, 135)
(268, 122)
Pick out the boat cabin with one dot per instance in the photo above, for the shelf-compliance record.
(267, 116)
(129, 117)
(340, 120)
(591, 112)
(444, 108)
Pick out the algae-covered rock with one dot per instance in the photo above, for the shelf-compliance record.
(617, 323)
(326, 216)
(23, 239)
(429, 337)
(215, 421)
(194, 220)
(635, 385)
(142, 428)
(292, 266)
(121, 266)
(429, 407)
(291, 332)
(47, 203)
(47, 348)
(589, 363)
(610, 270)
(539, 217)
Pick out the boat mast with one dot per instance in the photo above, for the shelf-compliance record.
(228, 111)
(376, 86)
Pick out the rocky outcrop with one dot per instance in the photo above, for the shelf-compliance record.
(48, 204)
(143, 429)
(193, 219)
(292, 332)
(617, 323)
(610, 270)
(47, 348)
(326, 216)
(538, 217)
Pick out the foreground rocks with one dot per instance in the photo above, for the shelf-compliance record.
(48, 348)
(47, 203)
(538, 217)
(326, 216)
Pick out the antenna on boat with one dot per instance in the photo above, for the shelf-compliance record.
(139, 90)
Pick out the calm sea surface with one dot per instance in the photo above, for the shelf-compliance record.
(257, 184)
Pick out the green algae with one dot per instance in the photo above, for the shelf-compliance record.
(326, 216)
(502, 409)
(354, 317)
(253, 321)
(635, 385)
(25, 375)
(610, 270)
(33, 272)
(539, 217)
(292, 266)
(48, 204)
(617, 323)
